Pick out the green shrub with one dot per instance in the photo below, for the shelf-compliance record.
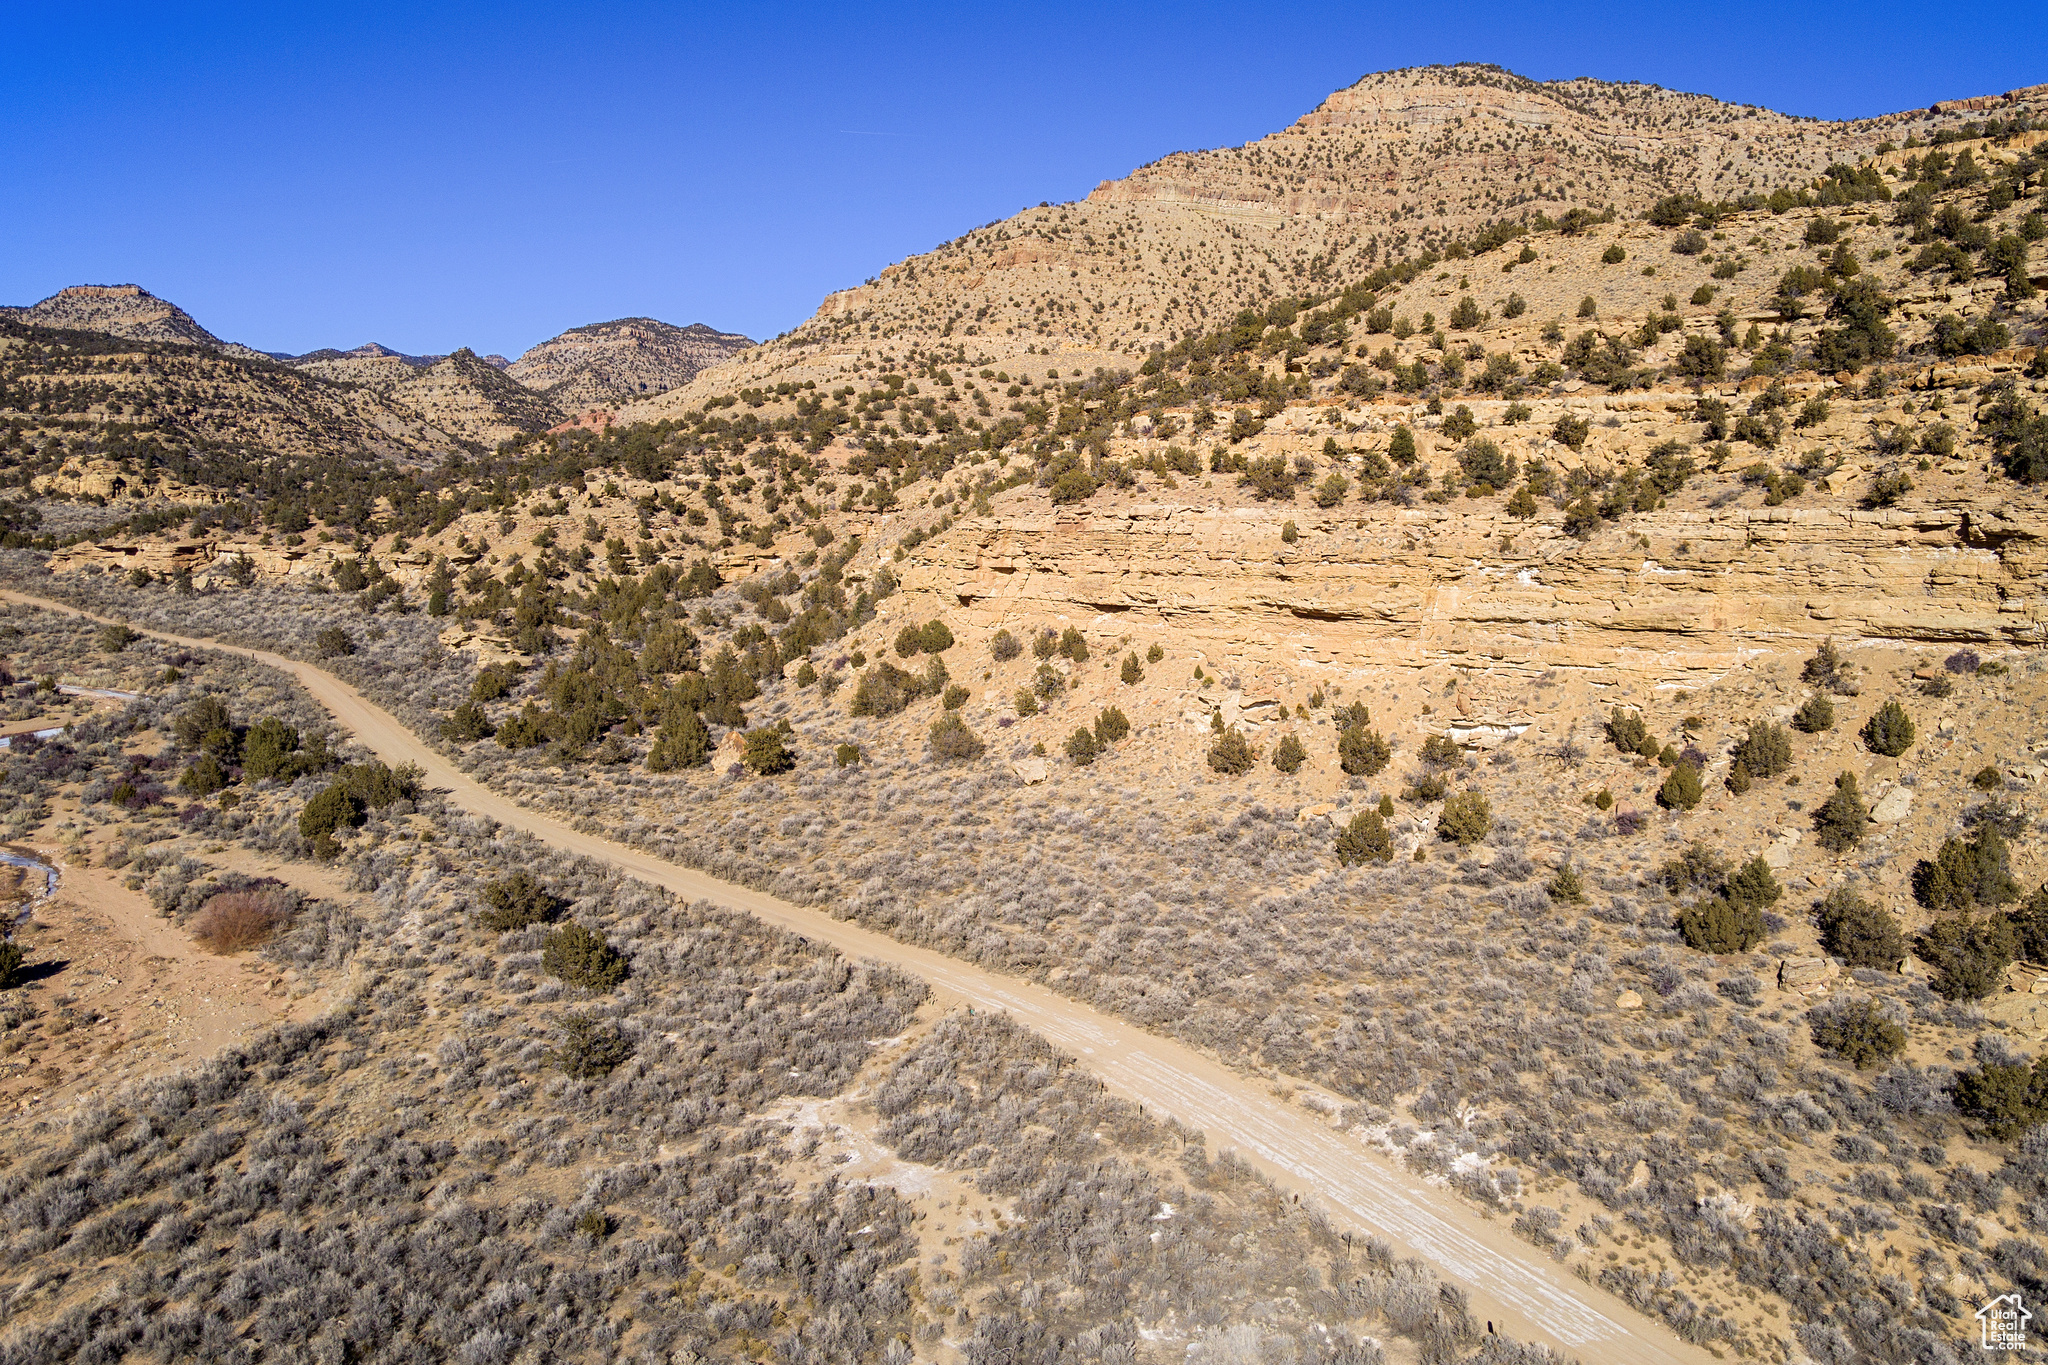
(1988, 778)
(1073, 646)
(1859, 932)
(909, 641)
(1753, 884)
(683, 742)
(1230, 754)
(1816, 715)
(1858, 1031)
(882, 691)
(1969, 955)
(491, 684)
(1571, 431)
(1696, 868)
(2008, 1098)
(1401, 446)
(1460, 424)
(1714, 925)
(1025, 702)
(332, 642)
(1365, 840)
(846, 755)
(524, 731)
(2030, 928)
(1966, 874)
(588, 1050)
(377, 786)
(1566, 888)
(1466, 819)
(1614, 255)
(114, 639)
(1111, 726)
(1362, 752)
(1765, 751)
(1082, 748)
(1626, 730)
(206, 725)
(935, 638)
(767, 750)
(466, 723)
(1155, 654)
(10, 962)
(1828, 670)
(516, 902)
(333, 809)
(1843, 819)
(1890, 731)
(204, 777)
(952, 740)
(1426, 786)
(1132, 673)
(955, 697)
(1439, 752)
(581, 957)
(1003, 647)
(1288, 755)
(1682, 789)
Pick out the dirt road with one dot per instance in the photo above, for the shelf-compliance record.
(1512, 1285)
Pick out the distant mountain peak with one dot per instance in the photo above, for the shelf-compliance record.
(602, 364)
(122, 310)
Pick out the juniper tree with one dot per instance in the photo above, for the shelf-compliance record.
(1843, 818)
(1364, 840)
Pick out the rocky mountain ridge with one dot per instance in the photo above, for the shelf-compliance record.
(419, 404)
(1396, 165)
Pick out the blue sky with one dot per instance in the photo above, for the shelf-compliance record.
(431, 176)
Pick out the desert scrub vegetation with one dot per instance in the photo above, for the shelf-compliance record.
(1230, 923)
(612, 1175)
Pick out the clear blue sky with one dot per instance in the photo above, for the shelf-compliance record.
(431, 176)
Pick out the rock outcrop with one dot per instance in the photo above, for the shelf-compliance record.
(1681, 595)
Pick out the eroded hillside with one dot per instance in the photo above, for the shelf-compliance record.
(1572, 691)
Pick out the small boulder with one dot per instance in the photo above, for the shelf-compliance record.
(1629, 1000)
(1892, 806)
(1805, 974)
(1030, 771)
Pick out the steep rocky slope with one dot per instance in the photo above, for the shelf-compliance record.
(1390, 167)
(607, 363)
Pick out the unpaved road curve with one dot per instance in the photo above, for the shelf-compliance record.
(1509, 1283)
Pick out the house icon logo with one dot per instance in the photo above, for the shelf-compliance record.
(2004, 1321)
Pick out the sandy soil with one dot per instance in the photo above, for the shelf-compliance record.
(1510, 1283)
(119, 994)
